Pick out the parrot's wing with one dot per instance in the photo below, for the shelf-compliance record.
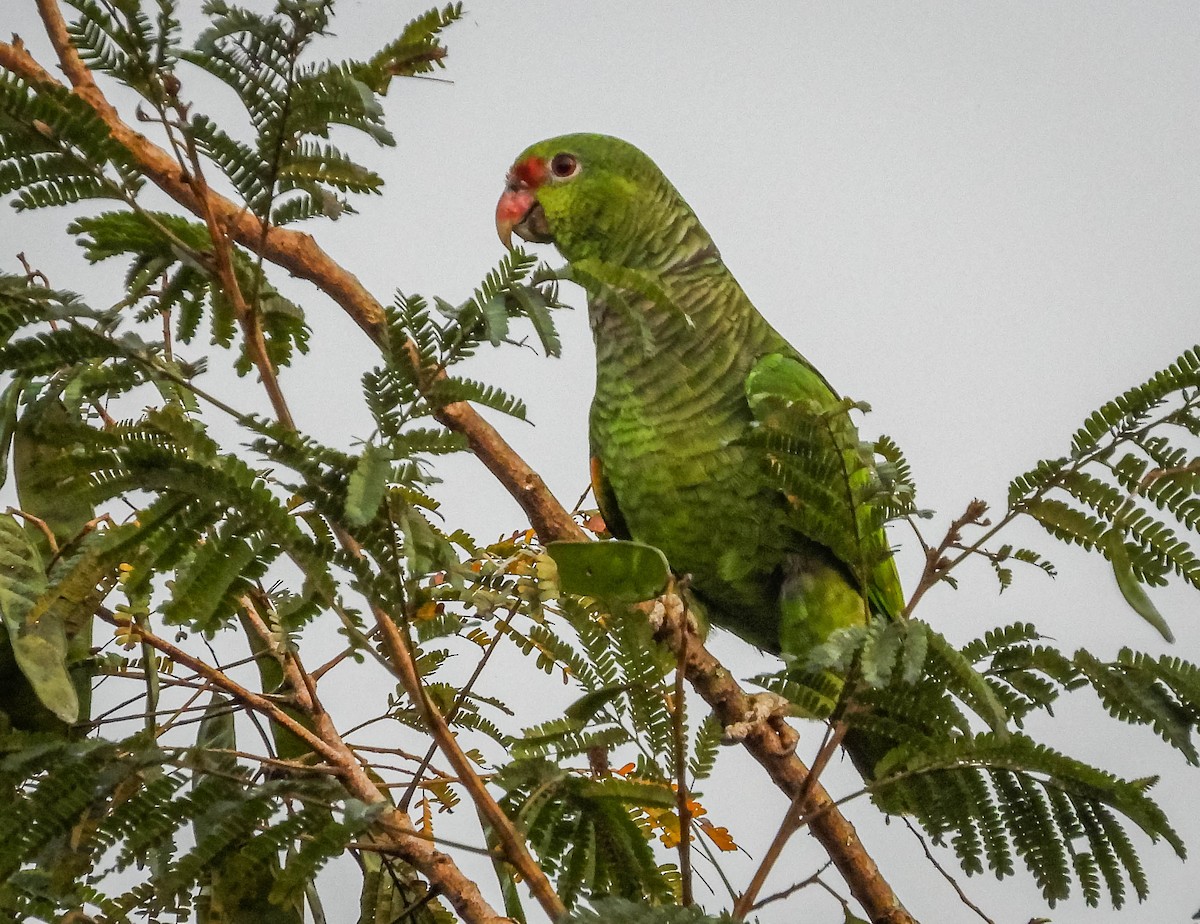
(606, 500)
(785, 392)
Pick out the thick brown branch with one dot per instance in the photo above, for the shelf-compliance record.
(546, 515)
(792, 821)
(772, 743)
(15, 59)
(68, 57)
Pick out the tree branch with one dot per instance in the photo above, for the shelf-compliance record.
(770, 742)
(511, 843)
(395, 828)
(16, 59)
(300, 255)
(792, 821)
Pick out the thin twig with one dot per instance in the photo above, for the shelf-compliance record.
(459, 698)
(937, 564)
(252, 700)
(792, 820)
(247, 316)
(682, 799)
(41, 524)
(32, 275)
(341, 656)
(945, 874)
(791, 890)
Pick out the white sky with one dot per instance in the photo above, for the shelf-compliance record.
(984, 219)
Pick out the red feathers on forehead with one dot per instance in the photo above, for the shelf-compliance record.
(530, 172)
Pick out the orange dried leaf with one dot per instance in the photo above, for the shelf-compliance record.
(662, 820)
(696, 808)
(720, 837)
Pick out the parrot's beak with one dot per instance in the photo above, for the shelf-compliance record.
(511, 211)
(519, 211)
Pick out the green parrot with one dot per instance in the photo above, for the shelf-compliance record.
(686, 369)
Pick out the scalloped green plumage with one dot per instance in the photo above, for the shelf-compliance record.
(715, 441)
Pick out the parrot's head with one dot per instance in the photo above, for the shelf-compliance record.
(592, 196)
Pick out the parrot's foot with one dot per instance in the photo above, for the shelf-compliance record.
(668, 606)
(763, 706)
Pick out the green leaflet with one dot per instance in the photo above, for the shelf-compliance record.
(1131, 588)
(969, 684)
(8, 422)
(1017, 795)
(165, 253)
(613, 571)
(62, 614)
(584, 830)
(452, 389)
(364, 492)
(40, 647)
(1136, 689)
(207, 583)
(239, 885)
(64, 511)
(619, 911)
(536, 306)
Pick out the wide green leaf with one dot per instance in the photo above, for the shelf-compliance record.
(612, 571)
(39, 646)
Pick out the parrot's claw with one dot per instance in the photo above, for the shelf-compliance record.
(668, 607)
(763, 706)
(655, 612)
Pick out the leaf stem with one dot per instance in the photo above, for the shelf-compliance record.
(679, 738)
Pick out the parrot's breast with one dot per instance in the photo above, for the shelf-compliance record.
(668, 426)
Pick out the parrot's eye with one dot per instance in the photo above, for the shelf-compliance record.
(564, 165)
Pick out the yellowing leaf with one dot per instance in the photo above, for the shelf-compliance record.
(720, 837)
(426, 826)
